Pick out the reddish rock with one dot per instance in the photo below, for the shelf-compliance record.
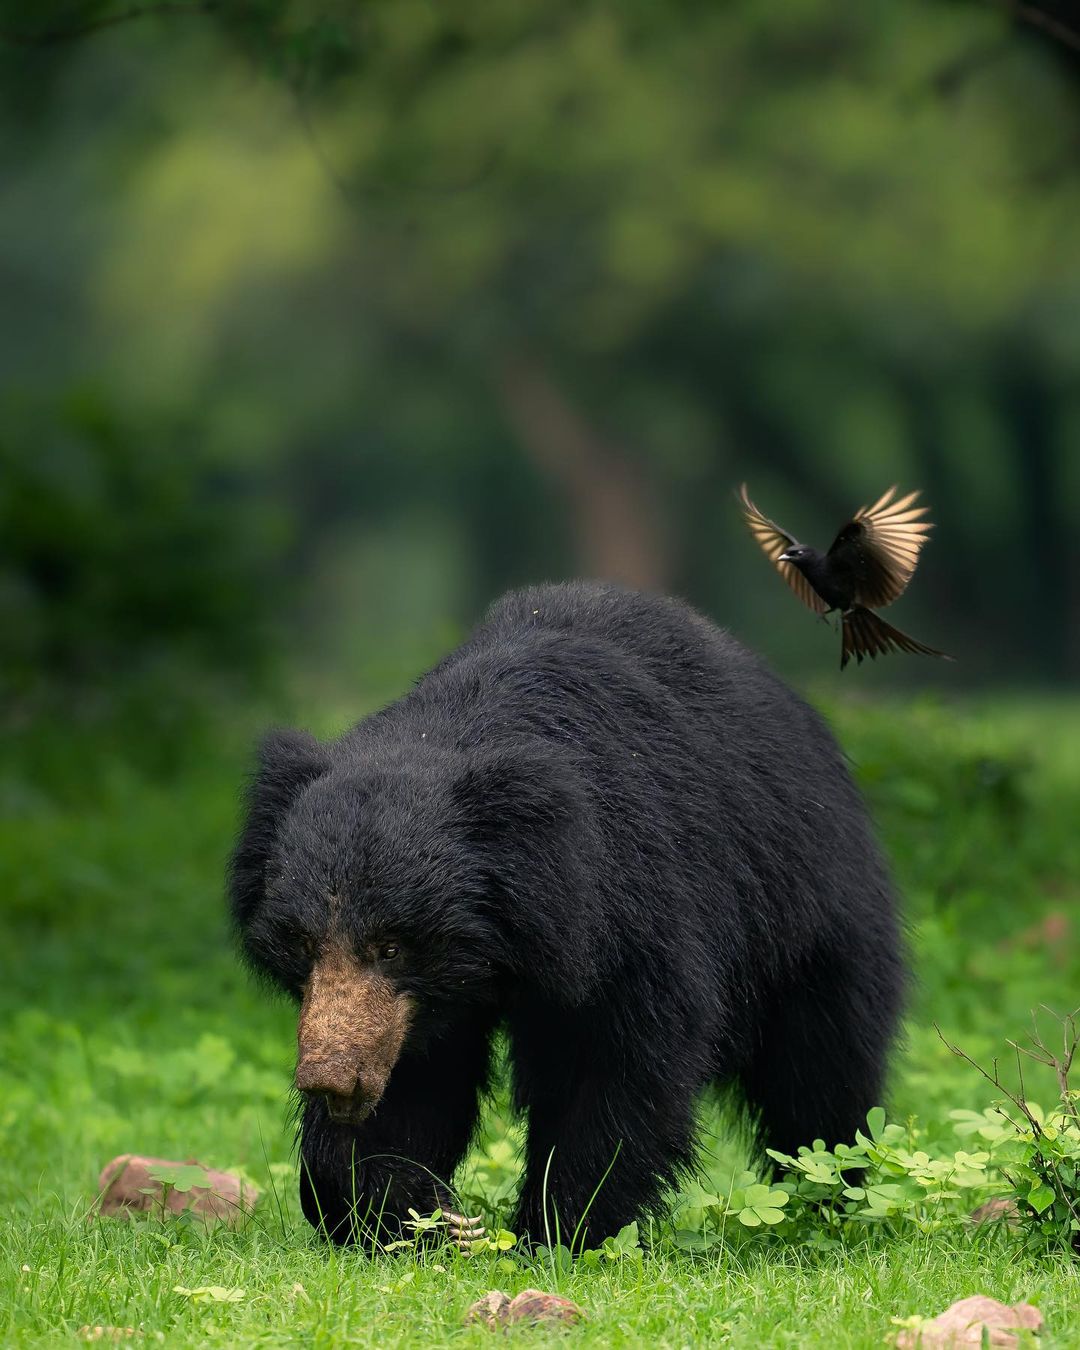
(126, 1187)
(493, 1310)
(532, 1305)
(1002, 1208)
(965, 1322)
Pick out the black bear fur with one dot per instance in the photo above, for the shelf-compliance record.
(604, 826)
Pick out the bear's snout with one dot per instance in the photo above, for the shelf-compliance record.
(352, 1026)
(334, 1077)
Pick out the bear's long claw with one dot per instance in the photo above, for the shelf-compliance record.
(463, 1230)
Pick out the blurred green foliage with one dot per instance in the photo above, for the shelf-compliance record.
(410, 302)
(117, 559)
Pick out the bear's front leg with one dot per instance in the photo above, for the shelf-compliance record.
(605, 1139)
(358, 1182)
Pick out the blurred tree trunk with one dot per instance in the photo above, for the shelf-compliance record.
(1048, 548)
(617, 530)
(962, 601)
(1010, 580)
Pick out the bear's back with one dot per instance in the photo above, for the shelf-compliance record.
(549, 657)
(717, 683)
(665, 634)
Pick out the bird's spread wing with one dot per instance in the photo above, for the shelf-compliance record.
(879, 547)
(774, 541)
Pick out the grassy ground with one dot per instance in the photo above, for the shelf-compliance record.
(125, 1025)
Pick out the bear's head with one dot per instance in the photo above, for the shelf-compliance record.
(386, 887)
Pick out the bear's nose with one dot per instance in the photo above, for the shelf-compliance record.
(329, 1077)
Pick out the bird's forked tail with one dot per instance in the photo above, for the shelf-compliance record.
(865, 634)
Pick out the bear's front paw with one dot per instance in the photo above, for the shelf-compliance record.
(462, 1230)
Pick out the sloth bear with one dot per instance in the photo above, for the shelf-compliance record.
(603, 826)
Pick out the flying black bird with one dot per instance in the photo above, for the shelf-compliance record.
(867, 567)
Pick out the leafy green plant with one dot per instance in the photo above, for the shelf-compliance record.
(558, 1259)
(420, 1228)
(178, 1177)
(171, 1177)
(894, 1177)
(1038, 1151)
(826, 1197)
(756, 1204)
(624, 1246)
(210, 1293)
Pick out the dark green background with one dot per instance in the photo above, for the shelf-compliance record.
(324, 323)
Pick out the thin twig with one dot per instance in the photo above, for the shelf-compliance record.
(1020, 1074)
(995, 1079)
(1041, 1054)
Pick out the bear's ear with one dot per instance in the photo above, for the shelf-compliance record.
(528, 814)
(287, 762)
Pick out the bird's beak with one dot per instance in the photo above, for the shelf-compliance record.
(784, 557)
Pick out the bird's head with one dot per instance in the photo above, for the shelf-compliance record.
(795, 554)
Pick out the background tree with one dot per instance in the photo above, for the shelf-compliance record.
(447, 297)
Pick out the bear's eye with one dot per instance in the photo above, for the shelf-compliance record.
(389, 951)
(296, 941)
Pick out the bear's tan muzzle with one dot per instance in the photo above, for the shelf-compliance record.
(353, 1023)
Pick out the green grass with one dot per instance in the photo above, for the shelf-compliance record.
(126, 1025)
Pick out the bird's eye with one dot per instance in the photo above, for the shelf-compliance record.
(389, 951)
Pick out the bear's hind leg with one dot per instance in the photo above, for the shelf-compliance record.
(821, 1049)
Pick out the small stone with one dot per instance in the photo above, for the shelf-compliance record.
(1002, 1208)
(126, 1188)
(966, 1321)
(493, 1310)
(533, 1305)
